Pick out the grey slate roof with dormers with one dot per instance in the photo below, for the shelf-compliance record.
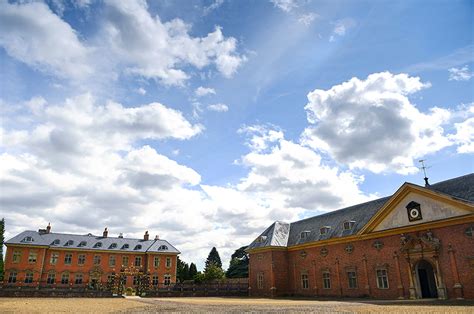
(461, 188)
(60, 240)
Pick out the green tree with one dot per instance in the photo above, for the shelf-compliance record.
(213, 259)
(182, 270)
(239, 264)
(2, 239)
(213, 272)
(192, 271)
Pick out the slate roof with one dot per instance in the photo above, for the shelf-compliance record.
(60, 240)
(461, 188)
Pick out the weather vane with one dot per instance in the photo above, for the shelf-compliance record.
(423, 167)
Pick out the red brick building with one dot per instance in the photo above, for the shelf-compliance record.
(44, 258)
(417, 243)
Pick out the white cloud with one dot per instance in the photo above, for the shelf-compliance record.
(285, 5)
(218, 107)
(141, 91)
(308, 18)
(261, 136)
(371, 124)
(213, 6)
(464, 136)
(204, 91)
(460, 74)
(33, 34)
(341, 27)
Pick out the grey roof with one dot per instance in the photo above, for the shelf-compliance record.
(461, 188)
(90, 242)
(275, 235)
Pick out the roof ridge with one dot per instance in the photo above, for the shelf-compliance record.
(457, 178)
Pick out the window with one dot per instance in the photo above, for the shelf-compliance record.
(324, 230)
(16, 258)
(68, 259)
(54, 258)
(32, 257)
(138, 261)
(167, 281)
(29, 277)
(156, 261)
(78, 279)
(55, 242)
(83, 243)
(135, 280)
(113, 246)
(125, 246)
(469, 232)
(96, 259)
(112, 260)
(138, 247)
(382, 279)
(305, 234)
(162, 248)
(304, 281)
(349, 224)
(81, 259)
(28, 239)
(98, 244)
(65, 278)
(12, 277)
(51, 278)
(352, 279)
(154, 280)
(168, 262)
(125, 261)
(326, 280)
(260, 280)
(69, 243)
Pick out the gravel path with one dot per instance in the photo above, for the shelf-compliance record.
(227, 305)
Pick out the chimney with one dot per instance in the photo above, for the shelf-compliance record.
(120, 235)
(427, 184)
(105, 233)
(146, 237)
(48, 228)
(157, 237)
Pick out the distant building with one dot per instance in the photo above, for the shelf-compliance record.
(47, 259)
(417, 243)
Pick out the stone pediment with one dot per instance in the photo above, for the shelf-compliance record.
(413, 205)
(419, 244)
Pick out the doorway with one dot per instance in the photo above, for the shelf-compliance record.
(426, 278)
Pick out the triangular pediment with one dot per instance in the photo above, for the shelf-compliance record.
(413, 205)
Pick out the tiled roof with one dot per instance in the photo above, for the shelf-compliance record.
(91, 242)
(461, 188)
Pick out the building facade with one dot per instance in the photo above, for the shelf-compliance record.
(46, 259)
(417, 243)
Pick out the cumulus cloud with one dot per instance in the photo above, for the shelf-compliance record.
(33, 34)
(460, 74)
(204, 91)
(134, 42)
(218, 107)
(371, 124)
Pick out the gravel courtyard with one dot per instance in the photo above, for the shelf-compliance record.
(229, 305)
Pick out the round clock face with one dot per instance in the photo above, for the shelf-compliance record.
(414, 213)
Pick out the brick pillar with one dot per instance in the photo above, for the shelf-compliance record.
(272, 279)
(442, 295)
(367, 282)
(454, 269)
(338, 277)
(315, 278)
(294, 278)
(401, 290)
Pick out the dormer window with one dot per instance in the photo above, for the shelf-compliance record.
(83, 243)
(28, 239)
(324, 230)
(261, 239)
(348, 225)
(113, 246)
(55, 242)
(69, 243)
(125, 246)
(162, 248)
(98, 244)
(305, 234)
(138, 247)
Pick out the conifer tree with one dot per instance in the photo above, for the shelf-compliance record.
(213, 259)
(239, 264)
(192, 271)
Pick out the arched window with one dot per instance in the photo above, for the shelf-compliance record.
(113, 246)
(69, 243)
(55, 242)
(28, 239)
(98, 244)
(162, 248)
(125, 246)
(138, 247)
(83, 243)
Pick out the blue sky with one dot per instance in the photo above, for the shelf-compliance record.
(204, 121)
